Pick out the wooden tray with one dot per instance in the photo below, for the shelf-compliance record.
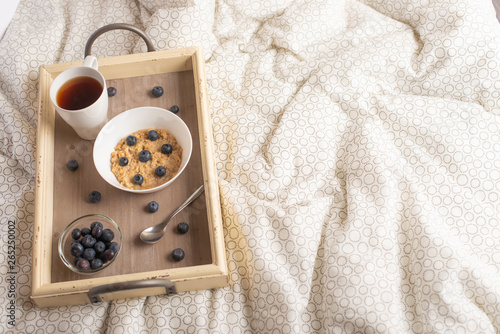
(61, 195)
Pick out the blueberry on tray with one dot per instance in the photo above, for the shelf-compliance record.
(174, 109)
(178, 254)
(94, 197)
(153, 206)
(72, 165)
(111, 91)
(182, 227)
(157, 91)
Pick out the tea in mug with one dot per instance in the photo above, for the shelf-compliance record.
(78, 93)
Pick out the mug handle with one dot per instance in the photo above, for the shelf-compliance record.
(90, 61)
(113, 26)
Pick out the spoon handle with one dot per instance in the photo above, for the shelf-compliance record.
(190, 199)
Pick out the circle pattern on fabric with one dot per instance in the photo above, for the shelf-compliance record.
(357, 148)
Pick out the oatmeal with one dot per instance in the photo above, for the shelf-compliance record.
(146, 159)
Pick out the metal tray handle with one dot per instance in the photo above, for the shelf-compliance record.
(95, 293)
(114, 26)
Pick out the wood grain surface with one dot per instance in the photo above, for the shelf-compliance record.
(71, 189)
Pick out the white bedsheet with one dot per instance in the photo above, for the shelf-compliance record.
(358, 151)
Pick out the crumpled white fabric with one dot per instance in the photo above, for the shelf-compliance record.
(358, 155)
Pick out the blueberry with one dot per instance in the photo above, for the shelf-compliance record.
(153, 135)
(131, 140)
(94, 196)
(76, 249)
(138, 179)
(95, 264)
(114, 246)
(88, 241)
(160, 171)
(107, 255)
(178, 254)
(107, 235)
(94, 224)
(76, 234)
(100, 247)
(83, 264)
(144, 155)
(174, 109)
(111, 91)
(75, 242)
(85, 231)
(97, 231)
(153, 206)
(72, 165)
(182, 227)
(166, 148)
(157, 91)
(123, 161)
(78, 258)
(89, 253)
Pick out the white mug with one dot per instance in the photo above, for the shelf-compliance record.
(86, 120)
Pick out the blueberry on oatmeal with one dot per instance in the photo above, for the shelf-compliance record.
(123, 161)
(131, 140)
(138, 179)
(160, 171)
(144, 156)
(153, 135)
(154, 148)
(166, 149)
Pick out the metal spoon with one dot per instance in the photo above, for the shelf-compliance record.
(154, 233)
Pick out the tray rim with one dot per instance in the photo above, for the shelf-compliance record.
(43, 291)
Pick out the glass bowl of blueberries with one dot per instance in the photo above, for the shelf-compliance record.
(90, 243)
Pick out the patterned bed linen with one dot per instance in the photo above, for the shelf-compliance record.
(357, 150)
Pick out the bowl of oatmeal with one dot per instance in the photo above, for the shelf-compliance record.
(142, 150)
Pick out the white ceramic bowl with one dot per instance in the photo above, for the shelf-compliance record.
(131, 121)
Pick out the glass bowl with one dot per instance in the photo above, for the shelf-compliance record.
(70, 255)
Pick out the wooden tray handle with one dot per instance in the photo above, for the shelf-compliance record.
(95, 293)
(114, 26)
